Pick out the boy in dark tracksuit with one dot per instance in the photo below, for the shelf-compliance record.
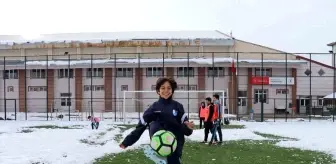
(208, 124)
(219, 121)
(165, 114)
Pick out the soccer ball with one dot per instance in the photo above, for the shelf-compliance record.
(163, 143)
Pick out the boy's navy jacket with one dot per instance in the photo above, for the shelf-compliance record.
(164, 114)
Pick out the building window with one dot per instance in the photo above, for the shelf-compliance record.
(37, 88)
(242, 98)
(65, 101)
(11, 74)
(263, 72)
(65, 73)
(37, 74)
(185, 87)
(304, 102)
(185, 71)
(124, 87)
(242, 94)
(125, 72)
(319, 100)
(180, 87)
(66, 94)
(95, 72)
(192, 87)
(153, 87)
(94, 87)
(10, 89)
(282, 91)
(154, 72)
(215, 71)
(260, 95)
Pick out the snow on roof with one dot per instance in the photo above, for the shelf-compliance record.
(132, 35)
(330, 96)
(204, 61)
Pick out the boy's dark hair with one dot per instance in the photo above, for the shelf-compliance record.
(208, 99)
(216, 96)
(162, 80)
(89, 117)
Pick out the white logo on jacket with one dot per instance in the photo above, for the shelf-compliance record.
(174, 112)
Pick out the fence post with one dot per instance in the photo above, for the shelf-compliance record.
(25, 81)
(262, 88)
(274, 109)
(47, 72)
(188, 74)
(15, 109)
(286, 102)
(237, 87)
(4, 88)
(91, 81)
(115, 88)
(310, 89)
(69, 87)
(333, 104)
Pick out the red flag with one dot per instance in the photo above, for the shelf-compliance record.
(233, 69)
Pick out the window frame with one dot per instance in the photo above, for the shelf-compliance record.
(183, 72)
(154, 71)
(125, 72)
(267, 72)
(65, 73)
(216, 71)
(257, 95)
(95, 73)
(10, 74)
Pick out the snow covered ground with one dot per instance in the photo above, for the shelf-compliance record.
(70, 146)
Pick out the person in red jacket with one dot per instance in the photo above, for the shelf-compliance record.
(201, 113)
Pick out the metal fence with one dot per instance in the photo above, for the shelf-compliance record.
(272, 86)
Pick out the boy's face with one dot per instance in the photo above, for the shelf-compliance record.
(214, 98)
(165, 90)
(208, 102)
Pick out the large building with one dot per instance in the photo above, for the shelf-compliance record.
(84, 71)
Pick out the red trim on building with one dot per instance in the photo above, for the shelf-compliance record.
(315, 62)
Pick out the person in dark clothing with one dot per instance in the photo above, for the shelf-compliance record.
(208, 124)
(164, 114)
(201, 113)
(219, 120)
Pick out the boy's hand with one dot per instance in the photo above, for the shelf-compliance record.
(122, 146)
(190, 124)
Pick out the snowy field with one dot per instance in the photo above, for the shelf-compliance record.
(22, 143)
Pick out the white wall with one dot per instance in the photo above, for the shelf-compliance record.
(242, 79)
(274, 100)
(148, 82)
(98, 102)
(130, 97)
(36, 100)
(182, 97)
(220, 82)
(320, 85)
(10, 104)
(61, 85)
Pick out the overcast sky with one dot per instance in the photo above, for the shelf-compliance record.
(288, 25)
